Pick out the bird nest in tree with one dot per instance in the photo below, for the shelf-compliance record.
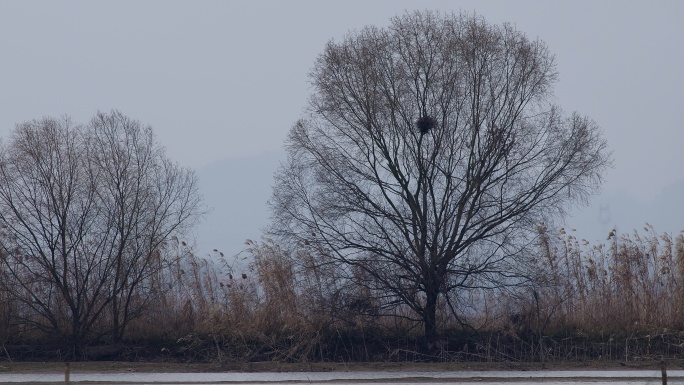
(426, 123)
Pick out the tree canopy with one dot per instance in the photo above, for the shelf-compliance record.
(430, 151)
(85, 212)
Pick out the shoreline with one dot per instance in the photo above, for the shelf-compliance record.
(266, 367)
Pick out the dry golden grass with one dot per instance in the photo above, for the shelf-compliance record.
(617, 300)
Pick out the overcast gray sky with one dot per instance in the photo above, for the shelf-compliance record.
(221, 82)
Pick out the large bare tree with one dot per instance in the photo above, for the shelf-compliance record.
(84, 213)
(430, 150)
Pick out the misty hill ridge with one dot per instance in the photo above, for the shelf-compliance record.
(237, 191)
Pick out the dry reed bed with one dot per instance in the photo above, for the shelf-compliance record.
(617, 300)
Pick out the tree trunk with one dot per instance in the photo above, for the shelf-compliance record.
(430, 323)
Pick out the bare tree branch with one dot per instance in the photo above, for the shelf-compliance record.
(429, 150)
(85, 212)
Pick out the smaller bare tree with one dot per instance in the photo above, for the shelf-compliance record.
(47, 207)
(144, 198)
(85, 211)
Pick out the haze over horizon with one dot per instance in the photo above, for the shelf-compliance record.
(222, 83)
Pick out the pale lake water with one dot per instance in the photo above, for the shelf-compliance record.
(569, 377)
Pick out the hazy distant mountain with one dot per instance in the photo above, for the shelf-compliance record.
(237, 191)
(626, 214)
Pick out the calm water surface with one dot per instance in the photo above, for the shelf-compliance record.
(567, 377)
